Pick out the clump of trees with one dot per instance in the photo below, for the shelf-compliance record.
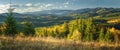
(80, 29)
(28, 29)
(10, 27)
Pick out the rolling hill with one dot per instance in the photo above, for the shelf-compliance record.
(55, 16)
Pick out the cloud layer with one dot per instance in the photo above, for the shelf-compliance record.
(29, 7)
(38, 5)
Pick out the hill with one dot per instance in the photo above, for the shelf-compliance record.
(55, 16)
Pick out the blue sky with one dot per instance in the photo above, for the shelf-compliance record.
(39, 5)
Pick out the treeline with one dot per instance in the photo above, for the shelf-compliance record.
(80, 29)
(10, 27)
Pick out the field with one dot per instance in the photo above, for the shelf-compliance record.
(42, 43)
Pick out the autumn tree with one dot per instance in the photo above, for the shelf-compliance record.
(76, 35)
(82, 27)
(53, 34)
(0, 31)
(71, 32)
(107, 36)
(101, 35)
(56, 32)
(65, 29)
(89, 30)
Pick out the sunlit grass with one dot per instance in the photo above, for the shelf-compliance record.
(49, 43)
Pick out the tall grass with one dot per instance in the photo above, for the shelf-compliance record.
(48, 43)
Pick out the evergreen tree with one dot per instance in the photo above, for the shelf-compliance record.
(28, 29)
(11, 25)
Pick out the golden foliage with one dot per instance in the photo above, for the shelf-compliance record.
(76, 35)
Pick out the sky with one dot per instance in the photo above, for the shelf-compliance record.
(22, 6)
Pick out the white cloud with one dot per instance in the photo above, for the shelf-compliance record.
(74, 0)
(66, 3)
(29, 5)
(65, 6)
(3, 8)
(48, 5)
(1, 11)
(34, 7)
(37, 4)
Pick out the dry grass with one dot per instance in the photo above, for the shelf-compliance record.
(43, 43)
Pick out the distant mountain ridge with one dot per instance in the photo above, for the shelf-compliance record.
(56, 12)
(52, 17)
(92, 11)
(52, 12)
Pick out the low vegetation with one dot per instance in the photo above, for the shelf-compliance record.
(49, 43)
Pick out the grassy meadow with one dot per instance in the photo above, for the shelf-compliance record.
(49, 43)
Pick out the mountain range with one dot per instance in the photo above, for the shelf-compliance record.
(57, 12)
(63, 15)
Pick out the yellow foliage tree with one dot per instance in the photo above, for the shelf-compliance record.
(76, 35)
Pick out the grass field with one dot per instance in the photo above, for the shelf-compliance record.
(42, 43)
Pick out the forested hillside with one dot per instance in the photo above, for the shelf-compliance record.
(81, 29)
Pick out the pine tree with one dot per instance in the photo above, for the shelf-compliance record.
(11, 25)
(28, 29)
